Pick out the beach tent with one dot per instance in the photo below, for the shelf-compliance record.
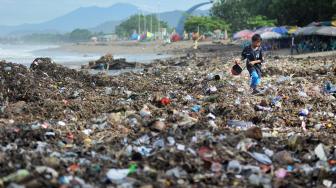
(324, 23)
(270, 35)
(263, 30)
(244, 34)
(314, 30)
(142, 37)
(326, 31)
(135, 36)
(304, 31)
(281, 30)
(149, 35)
(292, 29)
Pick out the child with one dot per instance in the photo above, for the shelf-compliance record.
(254, 58)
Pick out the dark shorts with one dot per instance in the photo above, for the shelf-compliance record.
(252, 68)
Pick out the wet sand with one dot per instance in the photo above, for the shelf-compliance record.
(158, 47)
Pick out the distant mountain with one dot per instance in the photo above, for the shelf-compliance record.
(87, 17)
(106, 27)
(94, 18)
(91, 16)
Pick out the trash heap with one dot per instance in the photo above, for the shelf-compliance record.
(187, 124)
(107, 62)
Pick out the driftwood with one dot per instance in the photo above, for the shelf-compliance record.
(108, 63)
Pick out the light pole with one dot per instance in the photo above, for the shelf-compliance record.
(145, 23)
(159, 22)
(151, 24)
(139, 24)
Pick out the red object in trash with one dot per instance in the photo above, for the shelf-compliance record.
(70, 136)
(45, 125)
(165, 101)
(265, 168)
(205, 153)
(332, 162)
(73, 168)
(175, 38)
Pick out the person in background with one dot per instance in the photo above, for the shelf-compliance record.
(324, 46)
(294, 46)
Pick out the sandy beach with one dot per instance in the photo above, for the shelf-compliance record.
(129, 47)
(158, 48)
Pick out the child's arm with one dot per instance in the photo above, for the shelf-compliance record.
(255, 62)
(243, 57)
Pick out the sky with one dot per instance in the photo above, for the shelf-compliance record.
(15, 12)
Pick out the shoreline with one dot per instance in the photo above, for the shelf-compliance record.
(127, 47)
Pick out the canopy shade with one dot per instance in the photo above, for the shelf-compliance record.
(326, 31)
(270, 35)
(313, 30)
(310, 30)
(281, 30)
(244, 34)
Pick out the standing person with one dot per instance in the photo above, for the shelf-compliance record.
(253, 56)
(294, 46)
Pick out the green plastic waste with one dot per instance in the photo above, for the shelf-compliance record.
(133, 168)
(16, 176)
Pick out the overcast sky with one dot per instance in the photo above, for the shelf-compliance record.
(14, 12)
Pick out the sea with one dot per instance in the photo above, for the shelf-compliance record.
(25, 54)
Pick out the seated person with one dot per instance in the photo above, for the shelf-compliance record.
(333, 45)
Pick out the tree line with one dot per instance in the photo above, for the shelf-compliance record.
(230, 15)
(242, 14)
(77, 35)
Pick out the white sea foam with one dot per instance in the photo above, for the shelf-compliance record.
(25, 54)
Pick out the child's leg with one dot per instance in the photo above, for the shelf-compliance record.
(255, 79)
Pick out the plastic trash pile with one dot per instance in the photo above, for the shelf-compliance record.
(181, 122)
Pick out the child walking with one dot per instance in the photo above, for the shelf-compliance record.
(253, 56)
